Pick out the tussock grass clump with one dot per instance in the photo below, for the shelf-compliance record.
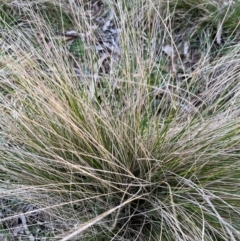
(138, 145)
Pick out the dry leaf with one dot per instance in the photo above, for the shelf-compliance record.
(186, 49)
(168, 50)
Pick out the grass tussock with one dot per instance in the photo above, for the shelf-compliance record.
(139, 141)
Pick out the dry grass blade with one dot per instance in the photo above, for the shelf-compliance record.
(95, 220)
